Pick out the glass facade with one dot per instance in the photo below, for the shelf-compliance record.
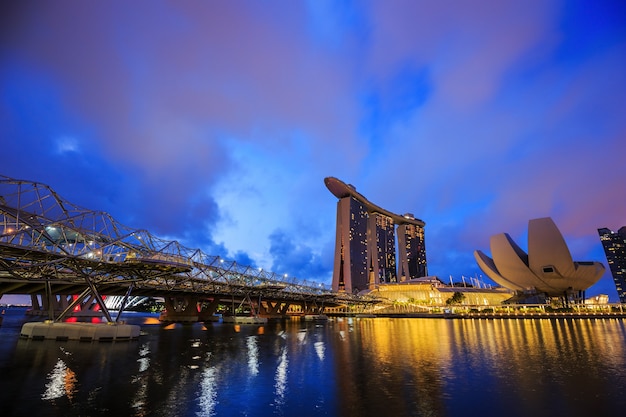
(385, 264)
(614, 244)
(411, 241)
(358, 245)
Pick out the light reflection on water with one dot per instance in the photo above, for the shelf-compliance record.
(319, 349)
(144, 359)
(208, 393)
(62, 382)
(281, 378)
(346, 367)
(253, 355)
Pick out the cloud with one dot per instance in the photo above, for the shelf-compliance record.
(67, 144)
(214, 123)
(295, 258)
(242, 258)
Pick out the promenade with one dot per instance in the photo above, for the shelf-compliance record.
(479, 315)
(518, 311)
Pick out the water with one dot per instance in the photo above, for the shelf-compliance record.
(346, 367)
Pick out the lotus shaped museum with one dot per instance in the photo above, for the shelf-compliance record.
(548, 267)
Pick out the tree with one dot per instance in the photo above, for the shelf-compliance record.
(457, 298)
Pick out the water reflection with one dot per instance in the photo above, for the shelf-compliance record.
(144, 359)
(320, 349)
(490, 364)
(400, 366)
(253, 355)
(301, 336)
(208, 393)
(361, 367)
(280, 384)
(62, 382)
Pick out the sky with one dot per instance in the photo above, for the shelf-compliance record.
(214, 123)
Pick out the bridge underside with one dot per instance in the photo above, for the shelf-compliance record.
(180, 306)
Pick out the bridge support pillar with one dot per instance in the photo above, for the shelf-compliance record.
(269, 308)
(88, 307)
(312, 308)
(180, 309)
(284, 308)
(276, 309)
(207, 309)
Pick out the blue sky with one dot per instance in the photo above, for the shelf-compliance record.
(215, 123)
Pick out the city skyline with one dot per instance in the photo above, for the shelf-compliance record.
(214, 123)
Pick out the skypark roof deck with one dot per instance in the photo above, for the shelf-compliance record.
(340, 190)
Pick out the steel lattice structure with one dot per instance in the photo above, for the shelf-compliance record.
(47, 240)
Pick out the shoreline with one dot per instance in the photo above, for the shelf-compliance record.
(456, 316)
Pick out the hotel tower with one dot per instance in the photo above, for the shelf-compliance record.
(365, 245)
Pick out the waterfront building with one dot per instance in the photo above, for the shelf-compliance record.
(614, 244)
(546, 270)
(597, 300)
(432, 292)
(369, 241)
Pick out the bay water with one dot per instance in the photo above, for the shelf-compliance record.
(342, 367)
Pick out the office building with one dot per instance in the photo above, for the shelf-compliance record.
(614, 244)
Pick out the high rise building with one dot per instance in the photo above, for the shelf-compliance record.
(413, 257)
(381, 235)
(614, 244)
(351, 252)
(366, 252)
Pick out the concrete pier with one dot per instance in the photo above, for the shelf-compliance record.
(84, 332)
(244, 320)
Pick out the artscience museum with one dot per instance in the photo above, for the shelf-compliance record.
(547, 270)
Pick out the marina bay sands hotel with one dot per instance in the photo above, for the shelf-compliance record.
(365, 246)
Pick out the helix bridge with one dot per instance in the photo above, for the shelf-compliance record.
(50, 246)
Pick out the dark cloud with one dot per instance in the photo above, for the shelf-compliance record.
(242, 258)
(294, 257)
